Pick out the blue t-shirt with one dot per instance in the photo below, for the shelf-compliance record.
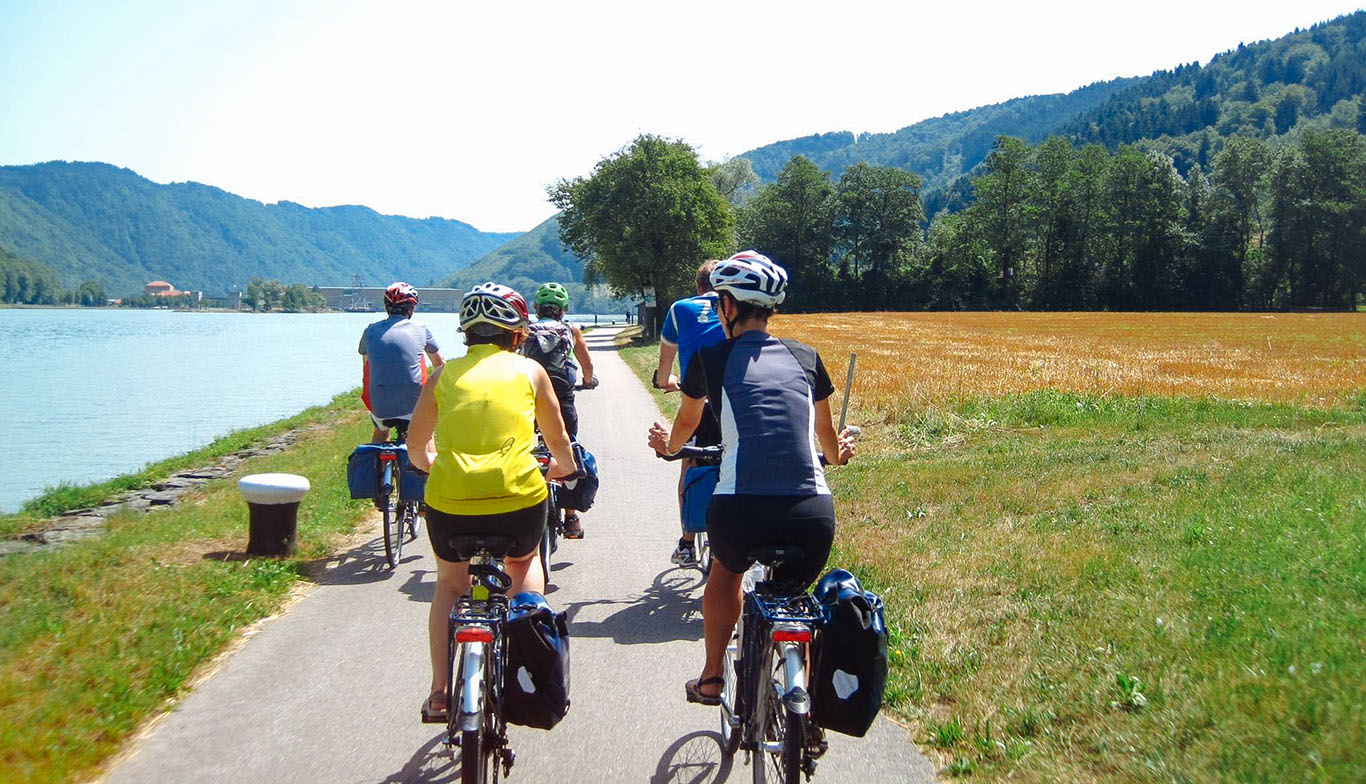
(394, 348)
(764, 390)
(692, 324)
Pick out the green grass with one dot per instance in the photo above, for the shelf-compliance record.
(97, 636)
(1118, 589)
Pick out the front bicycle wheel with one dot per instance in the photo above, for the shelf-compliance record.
(778, 733)
(393, 526)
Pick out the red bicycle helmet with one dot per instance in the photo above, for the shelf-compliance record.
(400, 294)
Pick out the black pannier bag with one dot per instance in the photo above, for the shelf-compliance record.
(536, 681)
(849, 669)
(579, 494)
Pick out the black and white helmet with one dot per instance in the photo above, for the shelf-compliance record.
(750, 276)
(493, 304)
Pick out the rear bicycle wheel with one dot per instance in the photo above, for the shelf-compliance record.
(703, 549)
(393, 526)
(778, 732)
(730, 725)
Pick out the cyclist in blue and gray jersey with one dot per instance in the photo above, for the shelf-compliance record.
(771, 397)
(392, 351)
(692, 324)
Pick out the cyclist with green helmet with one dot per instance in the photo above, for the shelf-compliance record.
(556, 344)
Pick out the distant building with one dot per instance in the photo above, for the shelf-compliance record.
(160, 288)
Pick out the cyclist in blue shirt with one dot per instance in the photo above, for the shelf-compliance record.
(772, 398)
(393, 368)
(692, 324)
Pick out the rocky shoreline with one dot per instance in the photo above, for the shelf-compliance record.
(77, 524)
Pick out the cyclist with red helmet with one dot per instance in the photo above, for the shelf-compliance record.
(392, 351)
(473, 430)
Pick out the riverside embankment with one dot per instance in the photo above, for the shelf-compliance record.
(98, 635)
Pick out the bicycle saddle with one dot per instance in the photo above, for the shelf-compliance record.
(468, 545)
(776, 555)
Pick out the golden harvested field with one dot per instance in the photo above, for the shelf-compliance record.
(910, 360)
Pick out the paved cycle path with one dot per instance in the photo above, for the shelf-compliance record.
(330, 690)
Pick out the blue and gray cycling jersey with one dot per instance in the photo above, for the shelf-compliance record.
(692, 324)
(764, 391)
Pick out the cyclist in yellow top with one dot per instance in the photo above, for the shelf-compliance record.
(473, 429)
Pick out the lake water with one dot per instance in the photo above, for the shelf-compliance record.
(90, 394)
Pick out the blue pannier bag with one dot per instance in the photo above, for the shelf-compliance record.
(536, 681)
(849, 657)
(698, 486)
(579, 494)
(363, 473)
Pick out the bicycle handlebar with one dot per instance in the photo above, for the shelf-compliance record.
(693, 452)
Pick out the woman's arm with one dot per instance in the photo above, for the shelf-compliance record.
(582, 355)
(837, 448)
(421, 446)
(552, 425)
(689, 415)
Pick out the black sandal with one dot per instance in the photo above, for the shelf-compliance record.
(694, 690)
(430, 716)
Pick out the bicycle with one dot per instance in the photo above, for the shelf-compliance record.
(703, 456)
(474, 700)
(765, 704)
(400, 517)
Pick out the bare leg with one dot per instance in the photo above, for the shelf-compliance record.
(452, 580)
(525, 574)
(720, 611)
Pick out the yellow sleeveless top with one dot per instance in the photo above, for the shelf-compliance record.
(485, 429)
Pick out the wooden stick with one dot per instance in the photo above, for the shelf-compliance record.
(848, 384)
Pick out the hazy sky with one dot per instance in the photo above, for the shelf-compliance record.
(469, 111)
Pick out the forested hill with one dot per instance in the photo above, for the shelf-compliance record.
(1310, 77)
(939, 150)
(537, 257)
(93, 221)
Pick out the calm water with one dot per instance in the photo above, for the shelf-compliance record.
(90, 394)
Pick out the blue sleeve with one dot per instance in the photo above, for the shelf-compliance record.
(669, 331)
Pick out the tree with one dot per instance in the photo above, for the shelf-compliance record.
(877, 223)
(644, 219)
(1002, 200)
(791, 221)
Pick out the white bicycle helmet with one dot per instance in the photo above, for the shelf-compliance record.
(750, 276)
(495, 305)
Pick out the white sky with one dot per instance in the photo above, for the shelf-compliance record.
(469, 110)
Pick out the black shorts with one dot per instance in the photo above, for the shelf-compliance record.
(524, 526)
(737, 524)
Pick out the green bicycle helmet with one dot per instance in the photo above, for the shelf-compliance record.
(552, 294)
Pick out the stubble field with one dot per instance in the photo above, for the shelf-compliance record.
(1113, 547)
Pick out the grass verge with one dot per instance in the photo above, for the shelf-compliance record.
(97, 636)
(1085, 587)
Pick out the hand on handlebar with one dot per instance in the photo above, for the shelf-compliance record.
(847, 447)
(556, 471)
(658, 438)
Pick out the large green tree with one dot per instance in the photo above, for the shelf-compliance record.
(645, 218)
(791, 221)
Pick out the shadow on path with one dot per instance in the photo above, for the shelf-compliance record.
(432, 763)
(695, 758)
(667, 611)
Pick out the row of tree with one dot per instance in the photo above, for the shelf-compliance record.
(1054, 226)
(24, 282)
(266, 295)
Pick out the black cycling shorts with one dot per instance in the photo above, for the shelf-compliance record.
(524, 526)
(737, 524)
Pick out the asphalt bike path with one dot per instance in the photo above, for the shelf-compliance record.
(330, 690)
